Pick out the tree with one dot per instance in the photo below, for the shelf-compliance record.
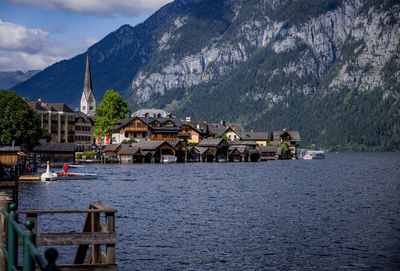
(129, 141)
(285, 151)
(18, 121)
(111, 110)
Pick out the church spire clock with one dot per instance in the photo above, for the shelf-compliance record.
(88, 101)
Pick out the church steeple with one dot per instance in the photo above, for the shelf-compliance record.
(88, 102)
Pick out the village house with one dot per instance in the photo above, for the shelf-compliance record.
(216, 129)
(144, 128)
(261, 138)
(191, 133)
(231, 134)
(292, 138)
(83, 132)
(132, 128)
(57, 118)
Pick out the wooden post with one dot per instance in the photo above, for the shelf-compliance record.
(4, 203)
(95, 228)
(110, 249)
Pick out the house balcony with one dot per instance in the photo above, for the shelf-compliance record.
(135, 129)
(184, 135)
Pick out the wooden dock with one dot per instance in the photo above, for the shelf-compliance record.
(94, 235)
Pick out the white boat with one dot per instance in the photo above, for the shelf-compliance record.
(311, 155)
(48, 175)
(168, 159)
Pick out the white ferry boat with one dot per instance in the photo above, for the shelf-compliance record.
(311, 155)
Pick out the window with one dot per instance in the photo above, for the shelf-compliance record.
(83, 108)
(144, 135)
(90, 107)
(126, 135)
(134, 135)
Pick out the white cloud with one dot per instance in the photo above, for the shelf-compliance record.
(98, 7)
(25, 49)
(15, 37)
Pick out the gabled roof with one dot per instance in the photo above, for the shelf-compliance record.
(243, 143)
(54, 147)
(212, 142)
(177, 123)
(150, 145)
(85, 118)
(112, 147)
(175, 143)
(53, 107)
(234, 150)
(201, 150)
(10, 148)
(130, 150)
(295, 135)
(192, 126)
(59, 107)
(269, 148)
(236, 127)
(199, 125)
(194, 149)
(217, 129)
(255, 135)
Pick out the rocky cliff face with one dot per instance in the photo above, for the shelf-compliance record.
(371, 33)
(329, 68)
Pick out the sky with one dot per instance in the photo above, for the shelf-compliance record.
(37, 33)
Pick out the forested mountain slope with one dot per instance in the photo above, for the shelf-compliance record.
(329, 68)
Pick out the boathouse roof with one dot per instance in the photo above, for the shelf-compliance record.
(54, 147)
(10, 148)
(202, 150)
(112, 147)
(147, 145)
(212, 142)
(130, 150)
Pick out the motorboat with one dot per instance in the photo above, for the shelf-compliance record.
(76, 176)
(312, 155)
(48, 175)
(168, 159)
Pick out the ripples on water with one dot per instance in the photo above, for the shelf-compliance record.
(341, 213)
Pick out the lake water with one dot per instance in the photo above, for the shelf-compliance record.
(341, 213)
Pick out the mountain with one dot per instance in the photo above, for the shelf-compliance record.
(329, 68)
(9, 79)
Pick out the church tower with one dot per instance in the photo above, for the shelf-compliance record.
(88, 102)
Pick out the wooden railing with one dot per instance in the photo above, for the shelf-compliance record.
(94, 234)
